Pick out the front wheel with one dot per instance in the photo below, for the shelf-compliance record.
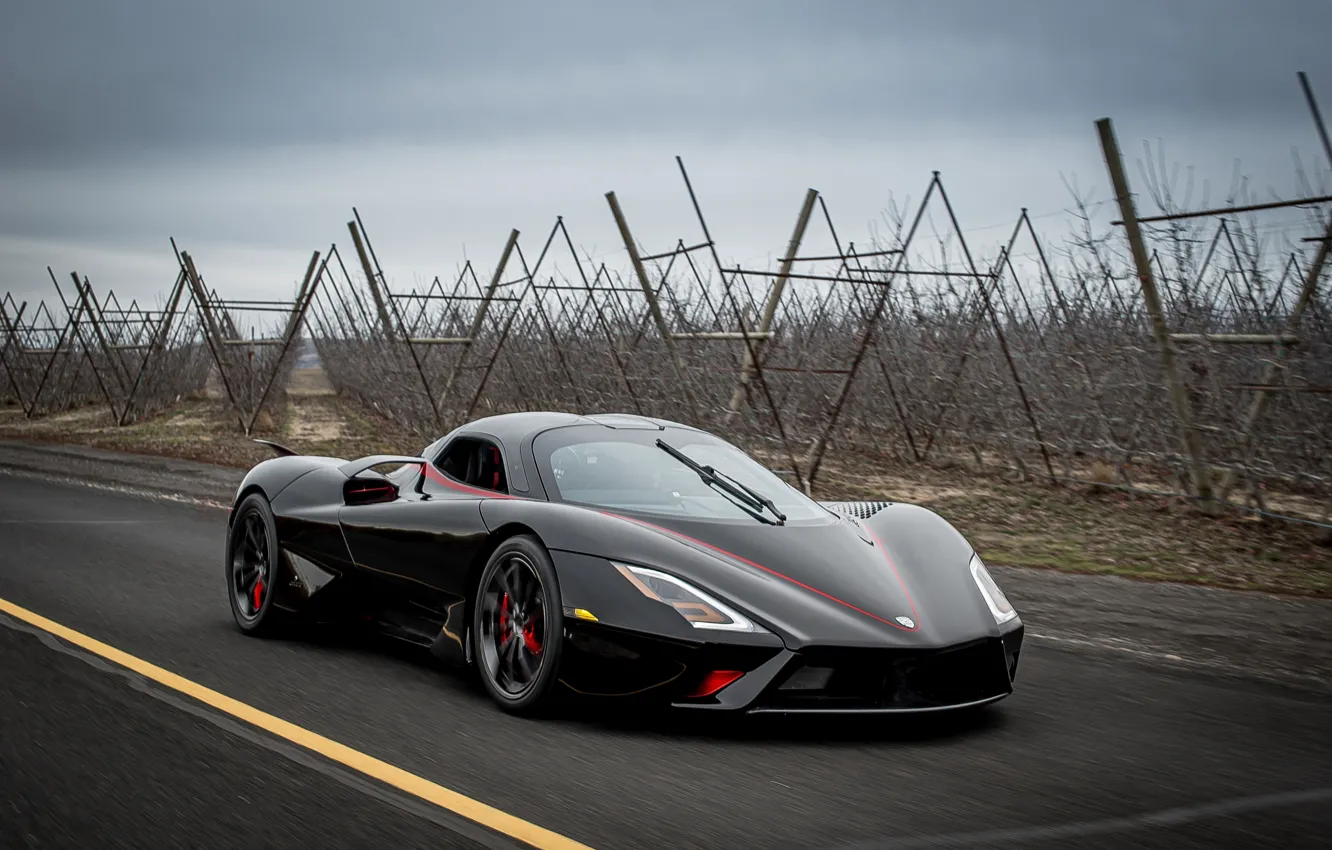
(518, 626)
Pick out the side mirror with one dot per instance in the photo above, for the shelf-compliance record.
(368, 491)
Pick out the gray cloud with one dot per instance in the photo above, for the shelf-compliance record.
(249, 128)
(128, 79)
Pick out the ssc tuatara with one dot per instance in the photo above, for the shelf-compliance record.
(618, 556)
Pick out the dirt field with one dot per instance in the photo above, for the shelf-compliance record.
(1069, 529)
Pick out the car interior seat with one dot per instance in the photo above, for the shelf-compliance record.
(479, 465)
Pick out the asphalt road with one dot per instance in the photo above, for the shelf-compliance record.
(1094, 749)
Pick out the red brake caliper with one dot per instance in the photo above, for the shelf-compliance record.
(257, 595)
(530, 638)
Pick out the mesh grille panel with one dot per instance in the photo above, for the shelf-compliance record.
(860, 510)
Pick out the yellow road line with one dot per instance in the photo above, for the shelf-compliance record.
(410, 783)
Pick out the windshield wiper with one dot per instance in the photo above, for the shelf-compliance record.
(743, 493)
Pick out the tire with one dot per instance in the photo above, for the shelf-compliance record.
(253, 568)
(518, 627)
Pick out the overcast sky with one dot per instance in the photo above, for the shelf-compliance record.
(247, 129)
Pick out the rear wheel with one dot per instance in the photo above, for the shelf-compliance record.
(518, 626)
(252, 567)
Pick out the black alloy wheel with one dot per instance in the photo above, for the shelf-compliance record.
(518, 626)
(252, 559)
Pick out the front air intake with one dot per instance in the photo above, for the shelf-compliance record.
(831, 679)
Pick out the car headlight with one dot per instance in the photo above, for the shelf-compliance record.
(701, 610)
(998, 604)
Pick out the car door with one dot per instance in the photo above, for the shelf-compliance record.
(424, 541)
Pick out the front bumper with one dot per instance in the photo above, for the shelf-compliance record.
(834, 680)
(777, 680)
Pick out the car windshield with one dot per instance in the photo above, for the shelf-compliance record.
(627, 470)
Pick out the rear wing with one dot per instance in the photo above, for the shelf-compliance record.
(278, 449)
(352, 468)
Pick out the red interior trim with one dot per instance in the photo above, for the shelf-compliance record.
(440, 478)
(796, 582)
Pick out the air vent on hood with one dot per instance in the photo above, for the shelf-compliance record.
(860, 510)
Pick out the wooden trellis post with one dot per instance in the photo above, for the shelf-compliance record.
(212, 334)
(755, 347)
(157, 342)
(478, 318)
(11, 334)
(380, 306)
(303, 297)
(1274, 366)
(1179, 395)
(820, 444)
(667, 339)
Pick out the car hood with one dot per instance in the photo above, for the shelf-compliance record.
(899, 579)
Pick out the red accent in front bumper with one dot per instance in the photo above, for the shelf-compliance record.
(714, 681)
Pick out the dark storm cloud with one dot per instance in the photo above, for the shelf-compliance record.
(85, 81)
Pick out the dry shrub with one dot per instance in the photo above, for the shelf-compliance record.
(1102, 475)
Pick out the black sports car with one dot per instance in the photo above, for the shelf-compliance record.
(620, 556)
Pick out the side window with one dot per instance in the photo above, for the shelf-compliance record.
(475, 462)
